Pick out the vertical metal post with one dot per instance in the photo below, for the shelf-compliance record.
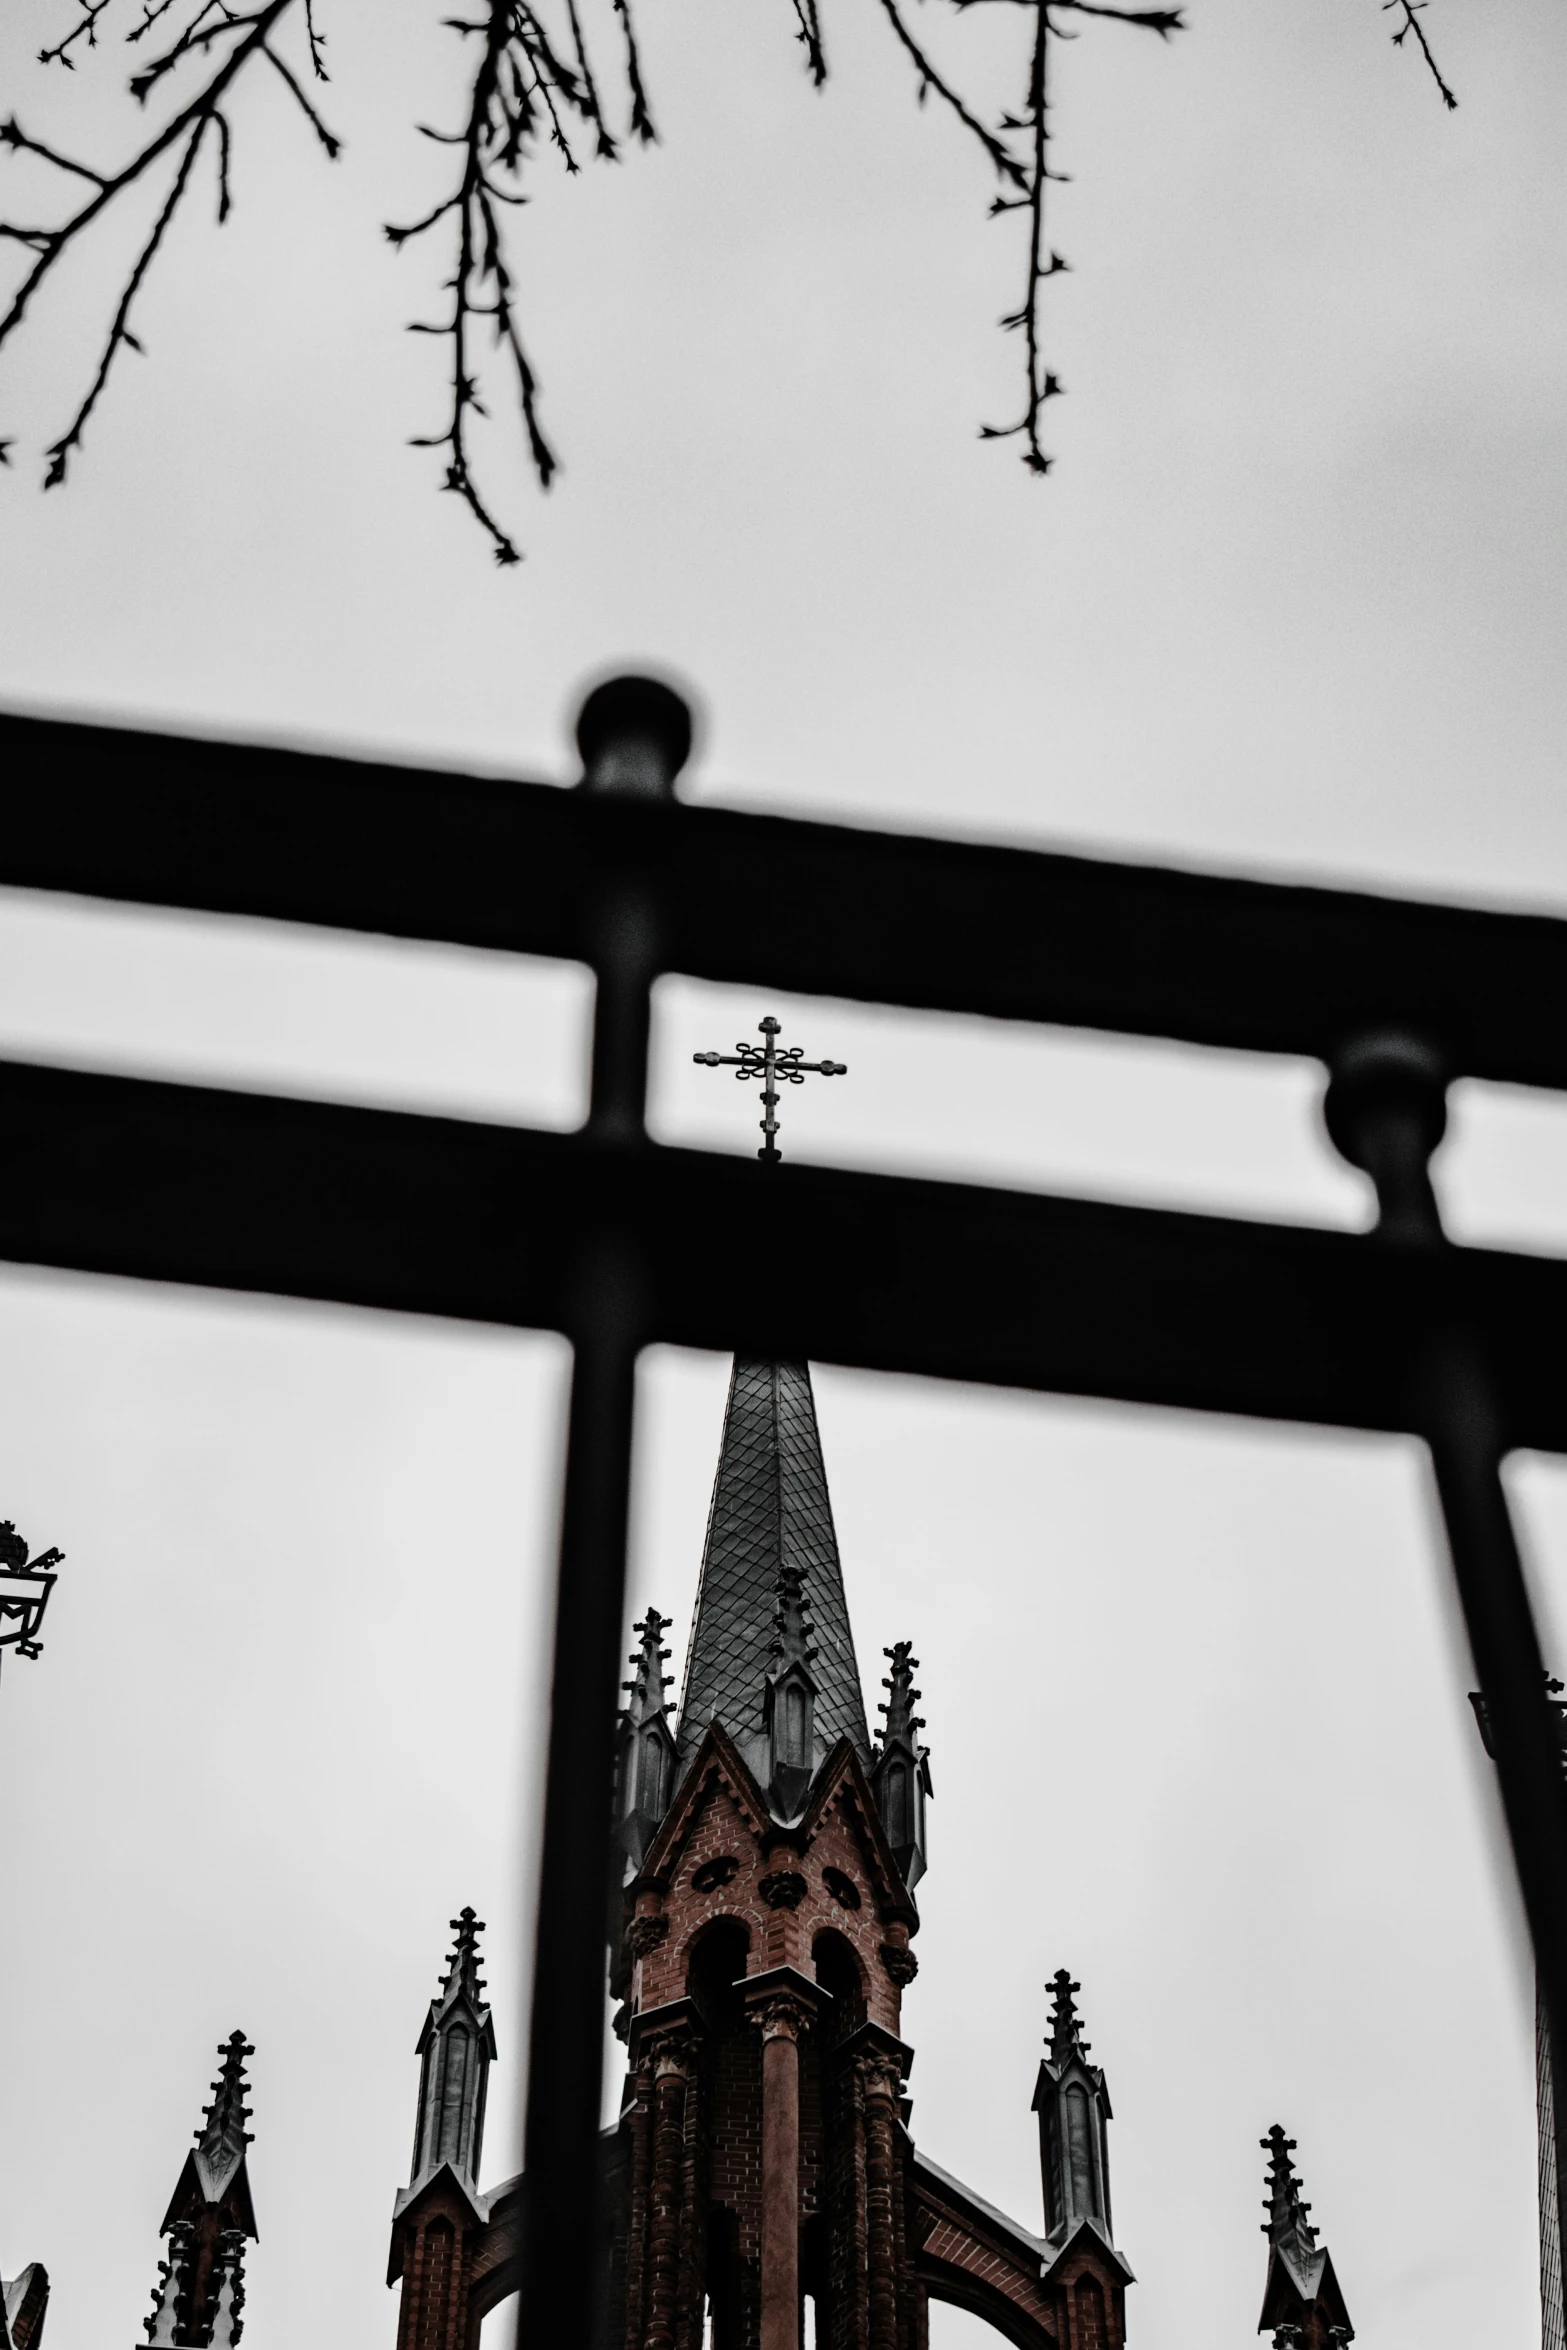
(1386, 1111)
(634, 736)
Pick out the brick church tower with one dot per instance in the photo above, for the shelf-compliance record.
(762, 2182)
(771, 1858)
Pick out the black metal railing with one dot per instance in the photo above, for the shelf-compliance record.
(617, 1242)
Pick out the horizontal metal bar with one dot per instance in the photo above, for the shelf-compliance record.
(436, 1216)
(815, 908)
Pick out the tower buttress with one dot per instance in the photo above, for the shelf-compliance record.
(1301, 2300)
(200, 2291)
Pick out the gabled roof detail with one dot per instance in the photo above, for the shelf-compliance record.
(716, 1762)
(842, 1780)
(770, 1512)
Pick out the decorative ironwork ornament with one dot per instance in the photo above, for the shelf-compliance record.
(770, 1065)
(25, 1585)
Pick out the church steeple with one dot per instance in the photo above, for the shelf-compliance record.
(201, 2285)
(770, 1513)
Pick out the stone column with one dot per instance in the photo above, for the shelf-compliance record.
(782, 2018)
(880, 2080)
(673, 2066)
(639, 2199)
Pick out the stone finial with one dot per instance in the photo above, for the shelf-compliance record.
(456, 2048)
(462, 1967)
(223, 2137)
(1286, 2224)
(1301, 2302)
(1073, 2105)
(900, 1774)
(649, 1685)
(645, 1755)
(1066, 2029)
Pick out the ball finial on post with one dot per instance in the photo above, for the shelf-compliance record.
(1386, 1111)
(634, 734)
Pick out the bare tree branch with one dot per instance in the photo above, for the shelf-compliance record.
(523, 93)
(1412, 11)
(532, 90)
(216, 26)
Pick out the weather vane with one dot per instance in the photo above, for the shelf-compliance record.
(768, 1063)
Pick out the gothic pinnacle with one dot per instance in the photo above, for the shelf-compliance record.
(649, 1684)
(462, 1967)
(223, 2125)
(1066, 2030)
(902, 1696)
(1286, 2222)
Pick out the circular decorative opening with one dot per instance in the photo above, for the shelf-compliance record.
(714, 1873)
(843, 1889)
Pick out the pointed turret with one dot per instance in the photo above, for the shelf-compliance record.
(457, 2048)
(1073, 2105)
(1301, 2301)
(645, 1763)
(438, 2219)
(901, 1773)
(201, 2285)
(770, 1512)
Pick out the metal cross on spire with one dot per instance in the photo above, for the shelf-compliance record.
(771, 1065)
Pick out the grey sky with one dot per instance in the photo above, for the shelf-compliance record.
(1293, 601)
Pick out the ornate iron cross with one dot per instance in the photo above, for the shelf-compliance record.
(768, 1063)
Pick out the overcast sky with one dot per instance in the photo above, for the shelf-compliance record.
(1293, 602)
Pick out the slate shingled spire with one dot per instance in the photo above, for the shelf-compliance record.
(770, 1511)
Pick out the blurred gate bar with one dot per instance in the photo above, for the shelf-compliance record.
(618, 1243)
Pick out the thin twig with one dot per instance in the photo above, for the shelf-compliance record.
(1413, 10)
(522, 89)
(215, 22)
(120, 335)
(86, 28)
